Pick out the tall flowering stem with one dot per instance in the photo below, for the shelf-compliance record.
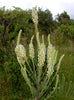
(39, 71)
(35, 18)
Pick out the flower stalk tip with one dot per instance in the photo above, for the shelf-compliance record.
(34, 15)
(31, 48)
(18, 40)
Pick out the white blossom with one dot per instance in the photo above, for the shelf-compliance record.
(49, 59)
(41, 55)
(21, 53)
(49, 53)
(34, 15)
(31, 50)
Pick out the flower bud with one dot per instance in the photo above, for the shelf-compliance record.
(31, 48)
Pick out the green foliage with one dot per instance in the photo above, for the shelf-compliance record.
(45, 17)
(45, 20)
(64, 45)
(1, 28)
(71, 22)
(13, 21)
(67, 30)
(63, 18)
(11, 80)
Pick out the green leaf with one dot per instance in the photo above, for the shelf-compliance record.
(59, 62)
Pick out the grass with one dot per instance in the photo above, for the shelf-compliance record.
(65, 46)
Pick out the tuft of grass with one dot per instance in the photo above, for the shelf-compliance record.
(65, 46)
(65, 90)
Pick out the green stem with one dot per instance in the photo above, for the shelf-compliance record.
(34, 69)
(45, 89)
(57, 80)
(36, 28)
(29, 67)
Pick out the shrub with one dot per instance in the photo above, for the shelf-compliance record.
(68, 30)
(45, 20)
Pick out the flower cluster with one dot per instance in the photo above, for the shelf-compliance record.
(34, 15)
(41, 55)
(49, 54)
(49, 59)
(21, 53)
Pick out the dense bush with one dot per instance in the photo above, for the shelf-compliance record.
(45, 20)
(63, 18)
(11, 80)
(12, 21)
(68, 30)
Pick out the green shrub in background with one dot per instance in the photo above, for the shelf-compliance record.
(71, 22)
(68, 30)
(45, 20)
(40, 70)
(63, 18)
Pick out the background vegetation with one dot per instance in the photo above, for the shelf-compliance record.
(12, 84)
